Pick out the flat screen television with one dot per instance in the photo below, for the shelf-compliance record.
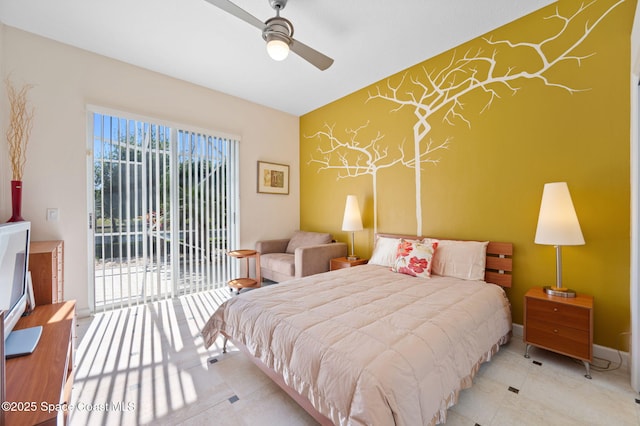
(14, 287)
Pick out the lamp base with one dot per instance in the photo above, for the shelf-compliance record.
(352, 257)
(559, 291)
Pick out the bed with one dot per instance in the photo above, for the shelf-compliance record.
(373, 345)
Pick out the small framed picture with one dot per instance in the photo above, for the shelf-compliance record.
(273, 178)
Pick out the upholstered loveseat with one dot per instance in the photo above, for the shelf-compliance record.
(305, 253)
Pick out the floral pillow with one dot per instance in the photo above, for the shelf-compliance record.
(414, 257)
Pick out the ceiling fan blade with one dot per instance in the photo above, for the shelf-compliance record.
(238, 12)
(319, 60)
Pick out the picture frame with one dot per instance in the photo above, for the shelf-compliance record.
(273, 178)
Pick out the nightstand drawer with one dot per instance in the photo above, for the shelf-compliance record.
(560, 338)
(558, 313)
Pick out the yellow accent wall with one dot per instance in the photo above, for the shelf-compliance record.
(487, 154)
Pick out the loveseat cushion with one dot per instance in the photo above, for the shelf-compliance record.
(282, 263)
(304, 239)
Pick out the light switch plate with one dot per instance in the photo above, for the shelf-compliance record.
(52, 214)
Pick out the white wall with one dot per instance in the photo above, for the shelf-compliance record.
(66, 80)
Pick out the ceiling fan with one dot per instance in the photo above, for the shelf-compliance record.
(278, 33)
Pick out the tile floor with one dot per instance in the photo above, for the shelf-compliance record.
(148, 365)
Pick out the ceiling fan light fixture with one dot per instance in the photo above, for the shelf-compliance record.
(277, 33)
(277, 48)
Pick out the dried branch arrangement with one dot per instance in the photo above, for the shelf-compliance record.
(20, 122)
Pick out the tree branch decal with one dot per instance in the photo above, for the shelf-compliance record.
(443, 90)
(440, 93)
(351, 157)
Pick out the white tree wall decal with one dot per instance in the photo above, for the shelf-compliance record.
(441, 93)
(352, 157)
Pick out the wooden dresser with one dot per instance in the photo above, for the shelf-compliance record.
(560, 324)
(38, 386)
(46, 260)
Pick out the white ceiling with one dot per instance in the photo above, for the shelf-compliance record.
(194, 41)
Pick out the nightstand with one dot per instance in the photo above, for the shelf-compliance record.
(559, 324)
(343, 262)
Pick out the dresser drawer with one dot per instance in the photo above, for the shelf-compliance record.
(559, 313)
(560, 338)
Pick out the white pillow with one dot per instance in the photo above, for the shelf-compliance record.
(460, 259)
(384, 252)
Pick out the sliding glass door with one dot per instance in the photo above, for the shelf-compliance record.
(164, 210)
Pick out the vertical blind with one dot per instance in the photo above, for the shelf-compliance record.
(164, 212)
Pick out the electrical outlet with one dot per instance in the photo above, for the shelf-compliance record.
(52, 214)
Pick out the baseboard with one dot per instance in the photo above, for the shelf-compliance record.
(612, 355)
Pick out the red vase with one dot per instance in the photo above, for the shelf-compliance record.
(16, 201)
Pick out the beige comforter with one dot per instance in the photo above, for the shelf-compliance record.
(369, 346)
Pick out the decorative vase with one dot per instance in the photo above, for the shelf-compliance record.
(16, 201)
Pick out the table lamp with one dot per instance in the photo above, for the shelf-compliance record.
(352, 220)
(558, 226)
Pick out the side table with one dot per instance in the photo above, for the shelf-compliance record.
(343, 262)
(247, 282)
(559, 324)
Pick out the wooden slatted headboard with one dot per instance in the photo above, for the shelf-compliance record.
(499, 263)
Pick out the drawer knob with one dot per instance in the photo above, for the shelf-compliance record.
(555, 330)
(555, 309)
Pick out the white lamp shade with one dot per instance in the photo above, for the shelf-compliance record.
(558, 223)
(352, 220)
(277, 49)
